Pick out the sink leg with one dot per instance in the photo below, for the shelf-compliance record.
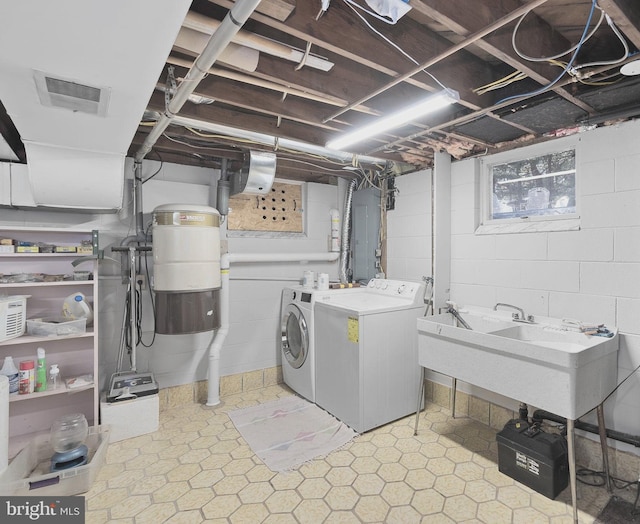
(452, 401)
(572, 468)
(420, 395)
(602, 430)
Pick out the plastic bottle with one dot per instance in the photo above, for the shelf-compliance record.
(54, 377)
(41, 371)
(27, 379)
(11, 371)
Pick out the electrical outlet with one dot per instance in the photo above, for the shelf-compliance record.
(141, 281)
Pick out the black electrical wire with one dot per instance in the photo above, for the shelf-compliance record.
(157, 170)
(153, 304)
(620, 384)
(602, 478)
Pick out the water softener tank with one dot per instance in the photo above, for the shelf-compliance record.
(186, 274)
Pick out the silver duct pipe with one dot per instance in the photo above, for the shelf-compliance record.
(228, 28)
(346, 232)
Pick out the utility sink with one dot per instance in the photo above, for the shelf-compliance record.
(546, 364)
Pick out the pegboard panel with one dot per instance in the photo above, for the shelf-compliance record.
(279, 210)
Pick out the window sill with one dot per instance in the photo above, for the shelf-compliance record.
(571, 224)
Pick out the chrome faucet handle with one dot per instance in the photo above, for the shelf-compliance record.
(519, 316)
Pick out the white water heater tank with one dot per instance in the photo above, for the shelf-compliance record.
(186, 274)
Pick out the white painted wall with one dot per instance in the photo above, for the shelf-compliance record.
(409, 228)
(592, 274)
(254, 292)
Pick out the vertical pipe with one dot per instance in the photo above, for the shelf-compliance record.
(602, 431)
(572, 467)
(133, 320)
(213, 378)
(452, 400)
(420, 397)
(442, 230)
(346, 221)
(137, 199)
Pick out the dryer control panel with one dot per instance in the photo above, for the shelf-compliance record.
(397, 288)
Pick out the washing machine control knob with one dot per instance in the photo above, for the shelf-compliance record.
(384, 285)
(294, 295)
(401, 288)
(371, 283)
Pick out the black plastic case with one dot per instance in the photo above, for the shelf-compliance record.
(533, 457)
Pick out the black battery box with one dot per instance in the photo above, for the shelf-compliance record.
(534, 458)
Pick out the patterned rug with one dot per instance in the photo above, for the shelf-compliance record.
(290, 431)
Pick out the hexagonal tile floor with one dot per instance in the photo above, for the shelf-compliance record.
(197, 468)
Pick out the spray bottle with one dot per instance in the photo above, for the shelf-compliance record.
(11, 371)
(41, 371)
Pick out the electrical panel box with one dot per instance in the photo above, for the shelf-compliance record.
(366, 232)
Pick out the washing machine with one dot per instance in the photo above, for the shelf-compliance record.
(367, 353)
(297, 346)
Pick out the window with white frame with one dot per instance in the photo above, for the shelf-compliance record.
(541, 185)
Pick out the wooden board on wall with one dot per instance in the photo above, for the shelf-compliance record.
(279, 210)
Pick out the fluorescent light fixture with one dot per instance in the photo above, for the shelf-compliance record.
(404, 116)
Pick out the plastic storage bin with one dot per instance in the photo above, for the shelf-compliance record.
(28, 473)
(56, 326)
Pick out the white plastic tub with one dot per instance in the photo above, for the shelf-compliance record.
(28, 473)
(56, 327)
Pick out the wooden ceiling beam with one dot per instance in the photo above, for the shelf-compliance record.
(234, 118)
(278, 9)
(182, 140)
(340, 32)
(535, 31)
(313, 170)
(242, 120)
(262, 101)
(626, 15)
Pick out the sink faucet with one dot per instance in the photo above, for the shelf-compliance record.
(517, 317)
(452, 309)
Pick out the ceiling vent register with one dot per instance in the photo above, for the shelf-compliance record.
(67, 94)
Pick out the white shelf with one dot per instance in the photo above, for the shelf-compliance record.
(45, 255)
(62, 283)
(49, 392)
(77, 354)
(30, 339)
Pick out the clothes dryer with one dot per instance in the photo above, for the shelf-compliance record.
(297, 347)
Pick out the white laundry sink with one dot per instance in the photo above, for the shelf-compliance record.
(547, 364)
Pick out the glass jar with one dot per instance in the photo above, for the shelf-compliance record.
(68, 432)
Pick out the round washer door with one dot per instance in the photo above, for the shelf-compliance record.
(295, 336)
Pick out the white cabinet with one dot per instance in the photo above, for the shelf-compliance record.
(75, 355)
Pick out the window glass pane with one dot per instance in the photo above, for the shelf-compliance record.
(538, 186)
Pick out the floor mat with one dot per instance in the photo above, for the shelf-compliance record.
(290, 431)
(617, 511)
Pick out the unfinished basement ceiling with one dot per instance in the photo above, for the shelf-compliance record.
(359, 68)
